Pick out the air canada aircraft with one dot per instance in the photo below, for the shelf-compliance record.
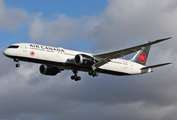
(53, 60)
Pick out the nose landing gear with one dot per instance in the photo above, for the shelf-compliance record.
(18, 64)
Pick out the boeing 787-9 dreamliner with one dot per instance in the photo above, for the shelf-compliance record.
(56, 59)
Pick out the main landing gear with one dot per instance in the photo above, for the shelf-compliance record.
(78, 78)
(17, 65)
(93, 73)
(75, 77)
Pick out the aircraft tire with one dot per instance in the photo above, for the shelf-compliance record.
(72, 77)
(17, 65)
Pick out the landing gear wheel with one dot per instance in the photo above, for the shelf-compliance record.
(78, 78)
(73, 77)
(93, 73)
(17, 65)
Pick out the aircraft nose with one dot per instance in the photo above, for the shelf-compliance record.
(5, 52)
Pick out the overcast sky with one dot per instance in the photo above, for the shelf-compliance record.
(91, 26)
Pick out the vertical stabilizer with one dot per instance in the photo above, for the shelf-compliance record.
(141, 56)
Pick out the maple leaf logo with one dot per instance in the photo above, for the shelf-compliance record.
(142, 57)
(32, 53)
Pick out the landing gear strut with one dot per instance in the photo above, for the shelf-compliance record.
(17, 60)
(75, 77)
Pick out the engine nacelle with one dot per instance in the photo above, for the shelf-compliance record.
(48, 70)
(84, 60)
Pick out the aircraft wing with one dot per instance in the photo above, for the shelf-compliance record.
(107, 57)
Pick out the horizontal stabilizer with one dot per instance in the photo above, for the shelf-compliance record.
(154, 66)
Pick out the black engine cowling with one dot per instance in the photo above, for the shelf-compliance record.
(48, 70)
(84, 60)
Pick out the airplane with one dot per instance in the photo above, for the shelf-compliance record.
(53, 60)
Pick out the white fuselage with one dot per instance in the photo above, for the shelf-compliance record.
(64, 59)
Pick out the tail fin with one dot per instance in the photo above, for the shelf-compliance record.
(141, 56)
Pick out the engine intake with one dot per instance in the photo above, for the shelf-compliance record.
(48, 70)
(84, 60)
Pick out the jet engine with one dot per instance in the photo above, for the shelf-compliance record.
(84, 60)
(49, 70)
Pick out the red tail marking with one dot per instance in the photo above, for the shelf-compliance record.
(142, 57)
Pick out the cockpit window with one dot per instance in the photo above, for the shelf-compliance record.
(13, 46)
